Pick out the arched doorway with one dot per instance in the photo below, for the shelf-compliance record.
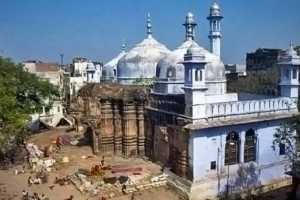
(250, 146)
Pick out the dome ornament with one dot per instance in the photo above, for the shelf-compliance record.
(123, 48)
(149, 26)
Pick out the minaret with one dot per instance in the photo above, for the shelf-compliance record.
(190, 25)
(149, 26)
(215, 35)
(289, 63)
(194, 83)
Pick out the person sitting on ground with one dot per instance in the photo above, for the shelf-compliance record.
(36, 196)
(37, 181)
(43, 197)
(25, 195)
(30, 181)
(102, 161)
(123, 188)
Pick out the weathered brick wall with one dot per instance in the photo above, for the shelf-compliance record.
(116, 118)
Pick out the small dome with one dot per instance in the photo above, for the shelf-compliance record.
(194, 50)
(215, 6)
(171, 69)
(289, 56)
(141, 61)
(215, 9)
(109, 71)
(190, 18)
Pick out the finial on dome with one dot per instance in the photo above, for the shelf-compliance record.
(123, 48)
(190, 25)
(215, 10)
(149, 26)
(291, 44)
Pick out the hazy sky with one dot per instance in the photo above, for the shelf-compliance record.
(41, 29)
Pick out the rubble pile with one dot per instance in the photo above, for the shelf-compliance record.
(115, 180)
(36, 160)
(156, 181)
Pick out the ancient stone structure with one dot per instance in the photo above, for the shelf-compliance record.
(113, 117)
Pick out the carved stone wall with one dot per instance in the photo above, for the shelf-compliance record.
(167, 142)
(114, 115)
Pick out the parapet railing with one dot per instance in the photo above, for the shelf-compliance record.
(250, 107)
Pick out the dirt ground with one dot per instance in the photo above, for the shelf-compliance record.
(11, 185)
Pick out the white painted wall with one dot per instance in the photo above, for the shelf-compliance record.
(209, 145)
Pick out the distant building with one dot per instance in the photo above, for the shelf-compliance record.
(235, 70)
(84, 71)
(262, 59)
(55, 75)
(47, 71)
(297, 48)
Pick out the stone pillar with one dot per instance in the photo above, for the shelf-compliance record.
(182, 163)
(95, 142)
(107, 134)
(129, 142)
(117, 123)
(141, 130)
(242, 146)
(149, 128)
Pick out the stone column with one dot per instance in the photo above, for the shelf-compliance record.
(182, 163)
(242, 146)
(95, 142)
(107, 134)
(141, 130)
(149, 128)
(129, 142)
(117, 123)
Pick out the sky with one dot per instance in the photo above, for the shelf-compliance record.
(96, 29)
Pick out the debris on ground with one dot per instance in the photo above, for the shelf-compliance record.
(33, 151)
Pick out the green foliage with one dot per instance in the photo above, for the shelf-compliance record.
(21, 94)
(285, 134)
(145, 82)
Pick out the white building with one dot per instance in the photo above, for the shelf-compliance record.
(84, 71)
(213, 142)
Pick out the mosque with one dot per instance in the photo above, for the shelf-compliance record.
(210, 142)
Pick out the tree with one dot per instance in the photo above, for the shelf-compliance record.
(21, 94)
(288, 135)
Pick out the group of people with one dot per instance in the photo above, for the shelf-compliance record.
(35, 196)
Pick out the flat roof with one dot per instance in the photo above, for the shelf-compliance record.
(239, 120)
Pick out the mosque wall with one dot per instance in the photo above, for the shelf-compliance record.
(207, 159)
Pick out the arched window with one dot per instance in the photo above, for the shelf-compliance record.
(157, 71)
(198, 75)
(250, 146)
(115, 72)
(171, 73)
(232, 149)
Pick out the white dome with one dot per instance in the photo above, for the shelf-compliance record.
(110, 68)
(169, 69)
(141, 61)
